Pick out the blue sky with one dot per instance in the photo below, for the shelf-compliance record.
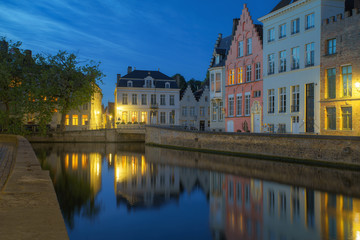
(176, 36)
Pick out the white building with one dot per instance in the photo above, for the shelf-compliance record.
(195, 109)
(217, 83)
(148, 97)
(291, 64)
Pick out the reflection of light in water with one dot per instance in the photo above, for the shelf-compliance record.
(74, 161)
(357, 235)
(110, 158)
(356, 218)
(84, 160)
(97, 169)
(66, 161)
(143, 165)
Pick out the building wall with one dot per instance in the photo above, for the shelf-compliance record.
(298, 77)
(217, 116)
(138, 109)
(242, 121)
(346, 30)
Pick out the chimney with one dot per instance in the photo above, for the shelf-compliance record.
(177, 79)
(118, 77)
(129, 69)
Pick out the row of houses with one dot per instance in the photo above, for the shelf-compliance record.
(294, 73)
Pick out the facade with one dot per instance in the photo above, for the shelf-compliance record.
(340, 75)
(291, 64)
(244, 77)
(217, 83)
(195, 110)
(148, 97)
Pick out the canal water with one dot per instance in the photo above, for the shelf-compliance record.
(132, 191)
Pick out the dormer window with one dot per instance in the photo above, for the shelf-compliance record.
(217, 59)
(167, 85)
(148, 83)
(129, 83)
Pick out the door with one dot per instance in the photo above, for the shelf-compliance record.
(257, 123)
(230, 126)
(310, 107)
(295, 125)
(202, 126)
(153, 117)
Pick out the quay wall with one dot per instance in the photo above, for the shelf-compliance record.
(93, 136)
(334, 151)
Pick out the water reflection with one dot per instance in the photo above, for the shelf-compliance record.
(284, 206)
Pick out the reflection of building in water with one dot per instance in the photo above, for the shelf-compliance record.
(191, 178)
(138, 183)
(291, 212)
(340, 217)
(217, 205)
(86, 166)
(244, 210)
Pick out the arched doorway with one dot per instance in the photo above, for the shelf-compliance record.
(256, 117)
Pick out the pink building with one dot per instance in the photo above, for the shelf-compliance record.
(244, 77)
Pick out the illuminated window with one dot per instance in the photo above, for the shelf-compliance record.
(67, 120)
(218, 82)
(347, 118)
(144, 117)
(240, 75)
(231, 76)
(84, 120)
(75, 120)
(347, 81)
(134, 117)
(124, 117)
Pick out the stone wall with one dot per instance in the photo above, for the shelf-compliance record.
(103, 135)
(309, 149)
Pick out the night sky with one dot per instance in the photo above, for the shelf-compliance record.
(176, 36)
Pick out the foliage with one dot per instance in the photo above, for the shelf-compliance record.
(182, 82)
(194, 84)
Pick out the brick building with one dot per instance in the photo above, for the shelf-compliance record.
(340, 73)
(244, 76)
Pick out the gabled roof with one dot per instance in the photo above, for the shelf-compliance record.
(141, 74)
(259, 29)
(222, 47)
(283, 3)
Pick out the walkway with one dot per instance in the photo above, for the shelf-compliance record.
(28, 205)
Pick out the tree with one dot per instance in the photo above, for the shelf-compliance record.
(181, 81)
(206, 81)
(72, 83)
(194, 84)
(16, 65)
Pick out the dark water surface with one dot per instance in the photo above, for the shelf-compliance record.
(129, 191)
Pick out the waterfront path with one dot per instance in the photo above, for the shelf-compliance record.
(28, 205)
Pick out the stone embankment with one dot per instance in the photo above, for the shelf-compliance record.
(328, 151)
(28, 205)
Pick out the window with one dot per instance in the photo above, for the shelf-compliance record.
(271, 35)
(75, 120)
(84, 120)
(347, 118)
(310, 21)
(240, 75)
(271, 64)
(167, 85)
(129, 84)
(124, 116)
(192, 111)
(241, 49)
(134, 99)
(231, 77)
(221, 111)
(257, 71)
(218, 82)
(85, 106)
(271, 101)
(143, 99)
(282, 100)
(217, 59)
(331, 118)
(212, 82)
(271, 128)
(153, 99)
(249, 46)
(239, 105)
(214, 112)
(124, 99)
(162, 99)
(248, 73)
(184, 111)
(172, 100)
(282, 61)
(347, 81)
(162, 117)
(231, 106)
(202, 111)
(148, 83)
(282, 30)
(331, 82)
(295, 54)
(331, 46)
(295, 92)
(144, 117)
(257, 94)
(282, 128)
(295, 26)
(247, 104)
(310, 55)
(134, 117)
(172, 117)
(67, 120)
